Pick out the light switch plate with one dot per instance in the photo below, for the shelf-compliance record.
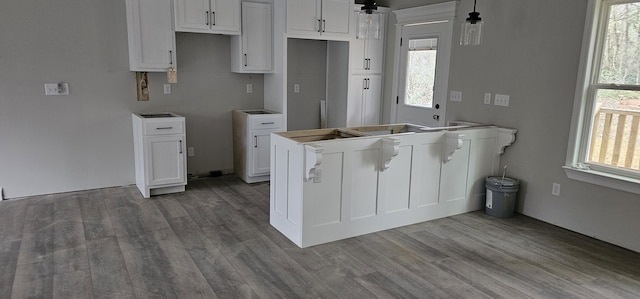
(167, 89)
(487, 98)
(502, 100)
(249, 88)
(296, 88)
(455, 96)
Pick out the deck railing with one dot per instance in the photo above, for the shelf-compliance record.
(614, 138)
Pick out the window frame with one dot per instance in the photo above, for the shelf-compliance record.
(587, 86)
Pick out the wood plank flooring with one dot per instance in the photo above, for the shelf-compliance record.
(215, 241)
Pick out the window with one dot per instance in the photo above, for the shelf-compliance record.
(421, 72)
(605, 130)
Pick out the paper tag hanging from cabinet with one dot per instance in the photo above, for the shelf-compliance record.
(172, 75)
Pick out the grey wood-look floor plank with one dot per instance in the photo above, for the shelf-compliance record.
(215, 267)
(72, 285)
(12, 218)
(9, 251)
(95, 217)
(37, 240)
(109, 275)
(135, 217)
(70, 252)
(158, 264)
(170, 206)
(34, 280)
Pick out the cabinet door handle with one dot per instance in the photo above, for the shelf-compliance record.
(255, 141)
(206, 18)
(368, 63)
(324, 25)
(368, 83)
(364, 83)
(180, 144)
(269, 123)
(319, 25)
(213, 18)
(245, 59)
(170, 57)
(164, 128)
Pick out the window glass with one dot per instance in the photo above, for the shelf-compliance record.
(421, 72)
(620, 62)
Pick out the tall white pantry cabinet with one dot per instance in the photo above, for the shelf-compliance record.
(159, 142)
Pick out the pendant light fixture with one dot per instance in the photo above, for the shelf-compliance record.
(471, 34)
(369, 21)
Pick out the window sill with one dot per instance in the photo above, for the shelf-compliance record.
(600, 178)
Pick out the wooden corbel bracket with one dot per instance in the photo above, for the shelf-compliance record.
(312, 160)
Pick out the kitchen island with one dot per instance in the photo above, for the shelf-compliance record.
(332, 184)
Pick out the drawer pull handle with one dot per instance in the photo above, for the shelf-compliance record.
(269, 123)
(164, 128)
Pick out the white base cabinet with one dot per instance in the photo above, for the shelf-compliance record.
(333, 184)
(159, 147)
(251, 143)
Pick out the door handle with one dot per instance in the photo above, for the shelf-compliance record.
(170, 57)
(319, 25)
(164, 128)
(255, 141)
(213, 18)
(324, 25)
(206, 18)
(245, 59)
(180, 144)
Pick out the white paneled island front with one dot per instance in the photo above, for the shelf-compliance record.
(331, 184)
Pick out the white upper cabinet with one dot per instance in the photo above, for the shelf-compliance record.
(150, 34)
(319, 18)
(208, 16)
(367, 53)
(252, 51)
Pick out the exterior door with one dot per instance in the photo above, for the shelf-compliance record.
(423, 74)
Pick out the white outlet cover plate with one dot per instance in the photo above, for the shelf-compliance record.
(249, 88)
(56, 89)
(167, 89)
(455, 96)
(502, 100)
(555, 190)
(296, 88)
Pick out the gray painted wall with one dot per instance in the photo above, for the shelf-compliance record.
(531, 51)
(82, 141)
(306, 66)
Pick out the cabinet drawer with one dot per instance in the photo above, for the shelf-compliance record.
(163, 127)
(266, 122)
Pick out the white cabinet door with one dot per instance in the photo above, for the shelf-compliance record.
(363, 104)
(367, 53)
(192, 14)
(208, 16)
(336, 17)
(260, 152)
(256, 49)
(371, 101)
(164, 159)
(304, 17)
(330, 18)
(225, 16)
(150, 35)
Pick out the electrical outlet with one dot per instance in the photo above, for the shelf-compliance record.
(296, 88)
(487, 98)
(55, 89)
(455, 96)
(167, 89)
(502, 100)
(191, 152)
(555, 190)
(249, 88)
